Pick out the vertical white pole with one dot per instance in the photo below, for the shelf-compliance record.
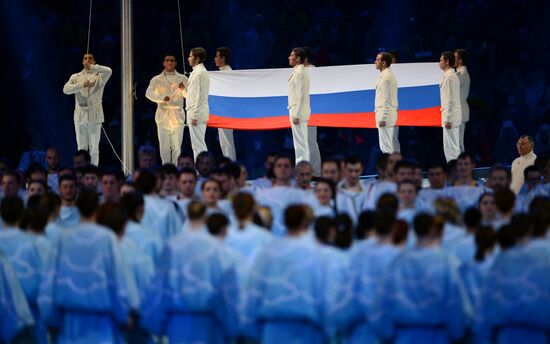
(127, 78)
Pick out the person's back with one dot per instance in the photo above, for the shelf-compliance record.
(284, 301)
(16, 314)
(193, 297)
(85, 292)
(420, 289)
(513, 305)
(248, 240)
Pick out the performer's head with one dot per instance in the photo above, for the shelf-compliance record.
(88, 60)
(447, 60)
(461, 55)
(383, 61)
(223, 57)
(297, 56)
(196, 56)
(394, 56)
(170, 62)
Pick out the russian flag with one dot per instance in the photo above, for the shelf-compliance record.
(341, 96)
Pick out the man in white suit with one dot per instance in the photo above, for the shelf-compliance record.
(451, 113)
(464, 78)
(385, 105)
(222, 60)
(88, 86)
(196, 94)
(170, 118)
(298, 103)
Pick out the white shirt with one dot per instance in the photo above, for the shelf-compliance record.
(88, 108)
(449, 90)
(196, 94)
(298, 94)
(167, 85)
(385, 98)
(518, 166)
(464, 78)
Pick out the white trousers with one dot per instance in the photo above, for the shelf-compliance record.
(451, 145)
(388, 139)
(314, 153)
(197, 133)
(87, 138)
(462, 130)
(227, 143)
(170, 140)
(299, 136)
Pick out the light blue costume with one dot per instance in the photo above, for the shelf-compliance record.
(147, 240)
(368, 266)
(514, 304)
(474, 275)
(350, 202)
(161, 216)
(422, 299)
(426, 198)
(24, 256)
(54, 231)
(278, 198)
(249, 240)
(458, 242)
(15, 314)
(465, 196)
(194, 294)
(68, 216)
(285, 297)
(85, 290)
(377, 190)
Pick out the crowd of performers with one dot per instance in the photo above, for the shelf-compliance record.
(192, 253)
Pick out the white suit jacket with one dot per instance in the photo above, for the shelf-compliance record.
(449, 90)
(298, 94)
(385, 99)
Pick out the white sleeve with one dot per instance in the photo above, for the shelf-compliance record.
(73, 86)
(152, 92)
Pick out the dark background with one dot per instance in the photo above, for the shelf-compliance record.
(508, 42)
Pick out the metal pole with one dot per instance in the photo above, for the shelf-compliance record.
(127, 78)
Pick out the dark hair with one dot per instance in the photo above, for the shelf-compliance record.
(423, 223)
(225, 53)
(146, 182)
(400, 232)
(223, 161)
(365, 223)
(437, 164)
(499, 167)
(344, 236)
(352, 160)
(402, 164)
(465, 155)
(210, 180)
(332, 161)
(323, 226)
(505, 199)
(243, 205)
(87, 202)
(529, 169)
(131, 202)
(205, 154)
(388, 202)
(12, 209)
(506, 237)
(472, 217)
(66, 177)
(486, 238)
(112, 215)
(90, 169)
(483, 195)
(462, 54)
(118, 174)
(395, 55)
(233, 169)
(295, 216)
(34, 168)
(169, 54)
(449, 56)
(51, 202)
(301, 53)
(383, 222)
(386, 57)
(14, 175)
(540, 215)
(216, 223)
(168, 169)
(83, 153)
(36, 216)
(283, 156)
(196, 210)
(188, 170)
(521, 224)
(199, 53)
